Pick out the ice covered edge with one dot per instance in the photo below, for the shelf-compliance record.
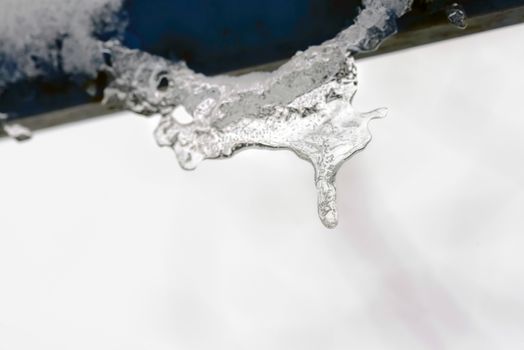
(304, 106)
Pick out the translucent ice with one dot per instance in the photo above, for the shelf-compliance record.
(457, 16)
(304, 106)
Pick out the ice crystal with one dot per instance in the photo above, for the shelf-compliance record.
(304, 106)
(457, 16)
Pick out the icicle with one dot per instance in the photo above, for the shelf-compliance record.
(304, 106)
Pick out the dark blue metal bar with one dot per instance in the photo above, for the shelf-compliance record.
(215, 36)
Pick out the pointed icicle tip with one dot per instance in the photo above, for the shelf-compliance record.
(327, 203)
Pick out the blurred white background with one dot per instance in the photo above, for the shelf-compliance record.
(105, 243)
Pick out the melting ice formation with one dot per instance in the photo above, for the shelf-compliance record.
(304, 106)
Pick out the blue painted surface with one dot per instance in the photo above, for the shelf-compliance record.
(219, 35)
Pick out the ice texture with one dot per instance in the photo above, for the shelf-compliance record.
(457, 15)
(304, 106)
(49, 37)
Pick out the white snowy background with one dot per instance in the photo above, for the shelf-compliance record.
(105, 243)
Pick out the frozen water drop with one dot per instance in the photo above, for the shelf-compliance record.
(457, 16)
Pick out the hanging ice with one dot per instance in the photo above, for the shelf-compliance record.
(304, 106)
